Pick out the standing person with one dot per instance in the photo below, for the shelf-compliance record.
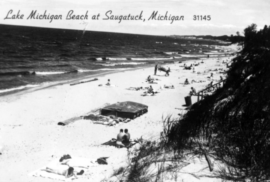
(221, 78)
(156, 67)
(168, 71)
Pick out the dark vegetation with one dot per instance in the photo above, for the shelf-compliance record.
(232, 38)
(234, 122)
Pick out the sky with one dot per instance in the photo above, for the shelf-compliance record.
(227, 16)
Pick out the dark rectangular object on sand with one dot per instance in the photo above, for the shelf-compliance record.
(125, 109)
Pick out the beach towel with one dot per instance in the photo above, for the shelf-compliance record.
(112, 142)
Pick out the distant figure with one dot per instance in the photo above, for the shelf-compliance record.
(186, 82)
(151, 90)
(156, 67)
(221, 78)
(126, 137)
(168, 71)
(108, 83)
(193, 91)
(211, 75)
(210, 84)
(188, 67)
(149, 79)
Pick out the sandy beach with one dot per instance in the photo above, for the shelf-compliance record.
(31, 137)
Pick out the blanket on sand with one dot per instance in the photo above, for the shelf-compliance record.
(77, 163)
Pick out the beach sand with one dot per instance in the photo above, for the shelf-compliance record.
(30, 137)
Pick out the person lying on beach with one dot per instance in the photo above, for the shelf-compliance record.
(188, 67)
(169, 86)
(63, 170)
(135, 88)
(186, 82)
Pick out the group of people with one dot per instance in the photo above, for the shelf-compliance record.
(123, 138)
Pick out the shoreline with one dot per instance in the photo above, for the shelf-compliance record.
(45, 85)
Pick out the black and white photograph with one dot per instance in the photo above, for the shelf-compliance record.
(134, 91)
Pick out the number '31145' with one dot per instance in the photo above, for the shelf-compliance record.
(201, 17)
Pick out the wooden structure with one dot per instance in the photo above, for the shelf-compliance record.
(125, 109)
(202, 93)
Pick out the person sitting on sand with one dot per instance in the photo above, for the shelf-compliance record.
(108, 83)
(149, 79)
(193, 91)
(126, 137)
(119, 141)
(186, 82)
(151, 90)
